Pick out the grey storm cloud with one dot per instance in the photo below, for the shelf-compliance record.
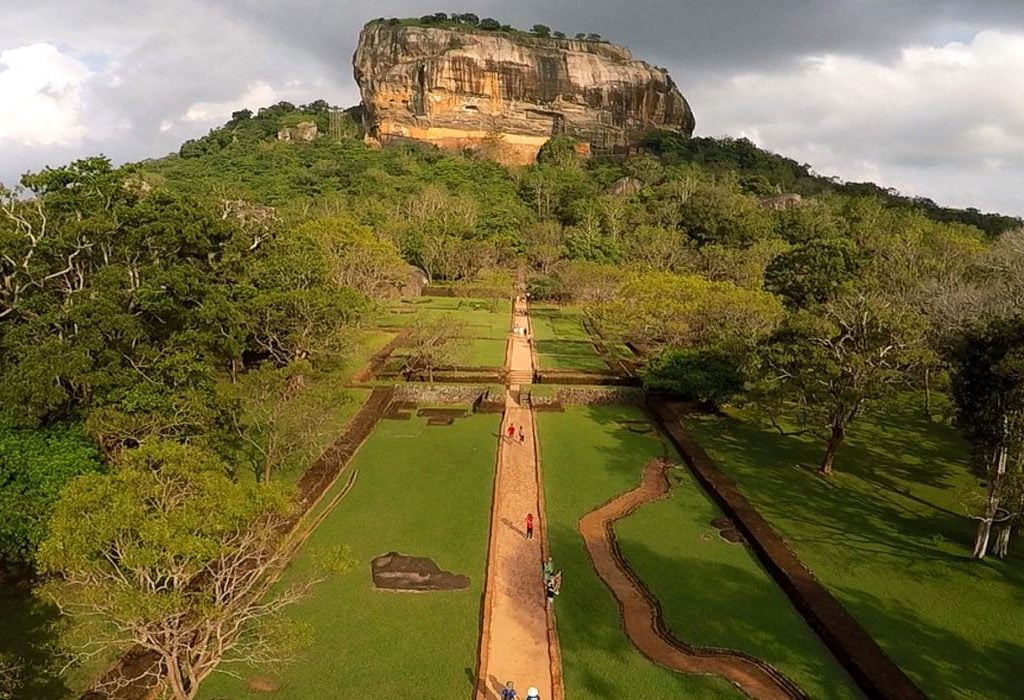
(923, 96)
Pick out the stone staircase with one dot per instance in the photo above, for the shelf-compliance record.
(519, 376)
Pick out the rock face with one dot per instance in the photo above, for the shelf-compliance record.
(303, 131)
(509, 93)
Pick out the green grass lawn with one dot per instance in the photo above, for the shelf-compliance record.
(479, 352)
(712, 592)
(887, 534)
(579, 362)
(480, 318)
(566, 347)
(420, 490)
(557, 323)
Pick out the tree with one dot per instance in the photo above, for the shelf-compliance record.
(432, 345)
(827, 365)
(593, 37)
(813, 272)
(662, 310)
(168, 553)
(356, 258)
(581, 36)
(490, 24)
(10, 677)
(988, 389)
(719, 213)
(710, 375)
(541, 30)
(35, 465)
(559, 35)
(279, 422)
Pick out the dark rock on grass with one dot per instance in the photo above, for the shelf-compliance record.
(400, 572)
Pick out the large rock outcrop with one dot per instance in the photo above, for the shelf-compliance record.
(507, 92)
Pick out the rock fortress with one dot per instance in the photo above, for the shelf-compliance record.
(508, 93)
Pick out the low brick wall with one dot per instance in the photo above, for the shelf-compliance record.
(593, 379)
(591, 396)
(438, 393)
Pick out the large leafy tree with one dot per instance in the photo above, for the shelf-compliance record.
(107, 285)
(34, 466)
(170, 554)
(813, 272)
(988, 388)
(660, 310)
(824, 367)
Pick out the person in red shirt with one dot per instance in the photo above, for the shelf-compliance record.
(529, 526)
(511, 431)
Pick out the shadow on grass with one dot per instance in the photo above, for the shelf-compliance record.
(863, 505)
(945, 659)
(28, 634)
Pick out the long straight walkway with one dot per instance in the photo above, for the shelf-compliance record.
(515, 642)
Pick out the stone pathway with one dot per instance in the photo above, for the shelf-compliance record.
(518, 635)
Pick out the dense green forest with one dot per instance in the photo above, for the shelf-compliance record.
(143, 307)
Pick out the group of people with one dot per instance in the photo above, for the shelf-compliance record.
(509, 693)
(510, 434)
(552, 580)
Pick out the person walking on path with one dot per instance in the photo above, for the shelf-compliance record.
(511, 431)
(529, 526)
(550, 590)
(532, 694)
(522, 435)
(548, 569)
(508, 692)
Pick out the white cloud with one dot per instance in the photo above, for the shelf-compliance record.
(942, 121)
(41, 96)
(258, 94)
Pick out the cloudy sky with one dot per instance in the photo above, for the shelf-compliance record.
(923, 95)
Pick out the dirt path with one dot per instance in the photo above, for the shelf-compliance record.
(641, 614)
(515, 643)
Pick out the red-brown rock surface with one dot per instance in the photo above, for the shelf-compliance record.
(508, 92)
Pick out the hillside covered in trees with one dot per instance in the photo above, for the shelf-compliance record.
(160, 312)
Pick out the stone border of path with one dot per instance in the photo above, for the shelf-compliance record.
(640, 612)
(484, 642)
(872, 669)
(555, 650)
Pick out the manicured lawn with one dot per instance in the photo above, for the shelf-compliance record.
(566, 347)
(480, 318)
(420, 490)
(887, 534)
(557, 323)
(483, 353)
(581, 362)
(712, 592)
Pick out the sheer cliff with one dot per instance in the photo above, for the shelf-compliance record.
(507, 92)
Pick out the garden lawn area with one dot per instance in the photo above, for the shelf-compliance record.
(569, 354)
(420, 490)
(888, 535)
(480, 352)
(551, 322)
(711, 592)
(481, 318)
(578, 362)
